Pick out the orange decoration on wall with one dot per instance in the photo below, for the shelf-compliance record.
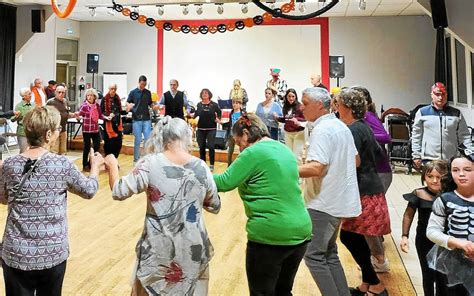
(159, 24)
(248, 22)
(142, 19)
(177, 29)
(267, 17)
(66, 12)
(212, 29)
(126, 11)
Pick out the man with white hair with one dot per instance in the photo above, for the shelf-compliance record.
(39, 94)
(316, 81)
(22, 108)
(60, 103)
(331, 191)
(174, 101)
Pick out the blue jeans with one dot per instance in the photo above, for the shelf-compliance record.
(273, 132)
(139, 127)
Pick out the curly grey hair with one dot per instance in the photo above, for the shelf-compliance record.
(168, 131)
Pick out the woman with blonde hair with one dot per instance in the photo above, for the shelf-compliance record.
(239, 93)
(34, 184)
(174, 250)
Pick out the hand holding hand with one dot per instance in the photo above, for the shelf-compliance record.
(129, 107)
(110, 161)
(217, 118)
(417, 162)
(294, 120)
(468, 248)
(17, 113)
(95, 158)
(404, 244)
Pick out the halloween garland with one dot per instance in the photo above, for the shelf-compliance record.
(203, 29)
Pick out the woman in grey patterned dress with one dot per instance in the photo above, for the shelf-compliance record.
(34, 184)
(174, 250)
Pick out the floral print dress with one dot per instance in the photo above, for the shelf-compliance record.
(174, 250)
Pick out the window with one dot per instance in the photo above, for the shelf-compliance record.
(461, 73)
(67, 50)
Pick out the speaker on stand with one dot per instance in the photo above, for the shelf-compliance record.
(37, 20)
(93, 65)
(337, 67)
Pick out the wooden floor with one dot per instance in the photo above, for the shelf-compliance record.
(103, 234)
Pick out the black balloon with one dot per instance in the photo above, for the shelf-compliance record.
(150, 22)
(167, 26)
(134, 15)
(185, 29)
(258, 20)
(203, 29)
(221, 28)
(239, 25)
(118, 7)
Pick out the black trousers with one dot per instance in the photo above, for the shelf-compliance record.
(95, 137)
(271, 269)
(206, 138)
(112, 145)
(360, 251)
(47, 282)
(430, 276)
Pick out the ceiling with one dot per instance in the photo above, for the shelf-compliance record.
(232, 8)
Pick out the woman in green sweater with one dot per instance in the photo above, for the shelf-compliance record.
(278, 225)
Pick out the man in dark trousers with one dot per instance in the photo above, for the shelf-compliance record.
(174, 101)
(139, 102)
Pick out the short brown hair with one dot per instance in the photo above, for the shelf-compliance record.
(38, 122)
(441, 166)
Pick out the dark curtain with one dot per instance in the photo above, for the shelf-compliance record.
(7, 55)
(440, 59)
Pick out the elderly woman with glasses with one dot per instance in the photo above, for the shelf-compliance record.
(374, 220)
(174, 250)
(111, 108)
(34, 184)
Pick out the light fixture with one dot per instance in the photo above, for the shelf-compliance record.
(322, 3)
(135, 9)
(199, 9)
(272, 5)
(110, 11)
(302, 7)
(362, 4)
(92, 11)
(185, 9)
(220, 8)
(245, 8)
(160, 9)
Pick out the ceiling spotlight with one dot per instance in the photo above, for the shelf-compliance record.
(302, 7)
(362, 4)
(199, 9)
(92, 11)
(272, 5)
(322, 3)
(135, 9)
(245, 8)
(161, 10)
(220, 8)
(110, 11)
(185, 9)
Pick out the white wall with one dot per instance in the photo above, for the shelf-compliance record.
(122, 47)
(214, 61)
(392, 56)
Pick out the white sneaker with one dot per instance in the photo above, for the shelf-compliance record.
(380, 267)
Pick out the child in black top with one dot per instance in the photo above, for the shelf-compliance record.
(421, 200)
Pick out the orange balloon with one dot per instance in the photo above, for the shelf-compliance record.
(159, 24)
(230, 27)
(248, 22)
(142, 19)
(126, 11)
(286, 8)
(177, 29)
(194, 29)
(67, 11)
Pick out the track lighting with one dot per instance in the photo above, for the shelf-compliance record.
(362, 5)
(110, 11)
(135, 9)
(160, 9)
(245, 8)
(220, 8)
(199, 9)
(92, 11)
(185, 9)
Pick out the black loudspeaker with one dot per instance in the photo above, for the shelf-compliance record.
(438, 14)
(92, 63)
(37, 21)
(221, 140)
(336, 67)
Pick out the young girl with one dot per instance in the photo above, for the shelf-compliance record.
(90, 113)
(421, 200)
(451, 228)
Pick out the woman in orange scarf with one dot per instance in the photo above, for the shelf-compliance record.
(111, 107)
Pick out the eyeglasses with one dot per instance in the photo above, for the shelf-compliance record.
(61, 92)
(59, 128)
